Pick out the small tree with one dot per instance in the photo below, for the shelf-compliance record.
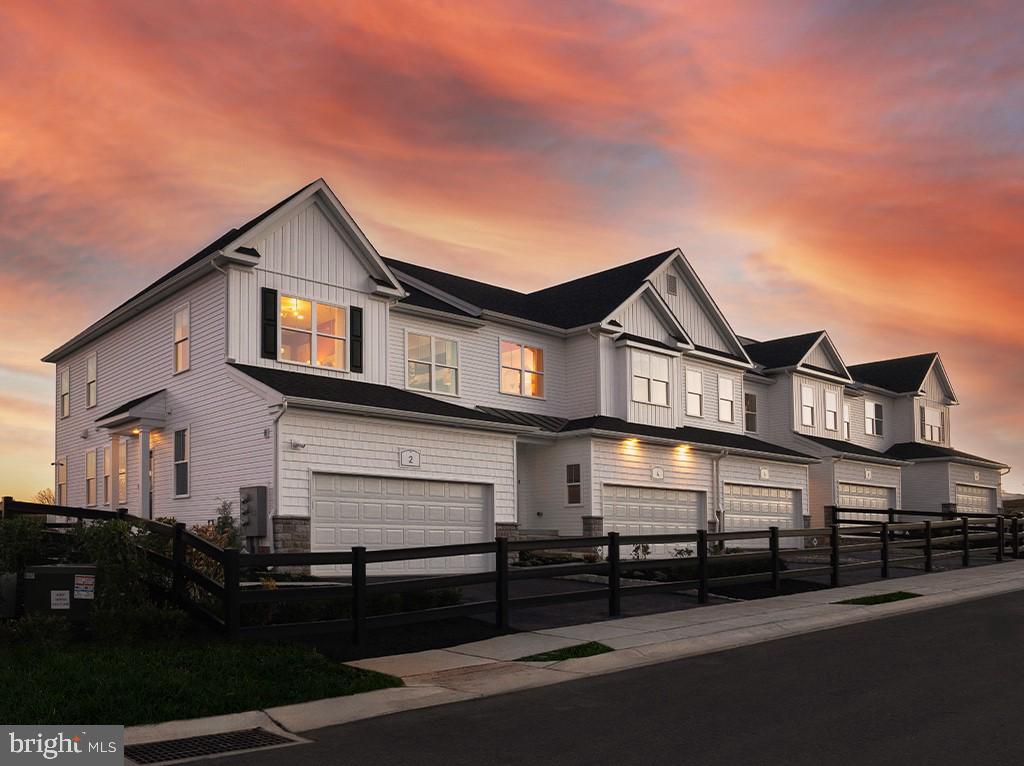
(46, 497)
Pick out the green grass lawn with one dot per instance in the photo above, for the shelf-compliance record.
(96, 684)
(568, 653)
(883, 598)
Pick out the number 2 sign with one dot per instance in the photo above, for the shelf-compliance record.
(409, 458)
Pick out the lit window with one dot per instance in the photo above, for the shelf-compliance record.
(873, 421)
(181, 460)
(846, 420)
(62, 481)
(725, 399)
(122, 471)
(831, 410)
(522, 369)
(933, 422)
(90, 477)
(312, 333)
(432, 364)
(572, 484)
(807, 405)
(90, 381)
(182, 333)
(106, 475)
(650, 378)
(695, 393)
(750, 410)
(65, 392)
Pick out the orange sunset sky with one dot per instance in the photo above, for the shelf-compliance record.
(855, 166)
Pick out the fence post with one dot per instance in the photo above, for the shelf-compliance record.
(7, 502)
(834, 558)
(178, 560)
(830, 515)
(358, 595)
(1015, 531)
(1001, 535)
(702, 566)
(232, 586)
(773, 544)
(892, 520)
(965, 531)
(614, 596)
(501, 583)
(928, 545)
(885, 549)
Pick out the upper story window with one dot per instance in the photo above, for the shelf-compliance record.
(312, 333)
(90, 381)
(572, 484)
(846, 420)
(831, 410)
(106, 475)
(873, 421)
(725, 399)
(182, 336)
(522, 369)
(181, 462)
(750, 412)
(650, 378)
(62, 481)
(432, 364)
(807, 405)
(122, 471)
(65, 392)
(695, 393)
(90, 477)
(933, 424)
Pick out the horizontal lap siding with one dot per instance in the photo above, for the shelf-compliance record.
(711, 373)
(926, 486)
(368, 446)
(819, 387)
(542, 487)
(746, 470)
(964, 474)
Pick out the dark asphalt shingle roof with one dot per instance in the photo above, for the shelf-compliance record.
(781, 352)
(919, 451)
(128, 405)
(340, 390)
(544, 422)
(579, 302)
(848, 447)
(903, 375)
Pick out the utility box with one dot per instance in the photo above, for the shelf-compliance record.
(61, 590)
(252, 508)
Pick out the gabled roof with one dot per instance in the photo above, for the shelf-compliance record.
(919, 451)
(782, 352)
(901, 376)
(127, 406)
(543, 422)
(849, 448)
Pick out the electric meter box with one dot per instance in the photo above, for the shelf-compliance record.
(61, 590)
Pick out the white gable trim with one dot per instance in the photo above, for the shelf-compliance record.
(648, 292)
(830, 348)
(441, 295)
(941, 371)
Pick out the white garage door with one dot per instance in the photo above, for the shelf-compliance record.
(400, 513)
(867, 497)
(652, 511)
(971, 499)
(752, 507)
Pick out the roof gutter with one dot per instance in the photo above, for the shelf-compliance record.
(964, 460)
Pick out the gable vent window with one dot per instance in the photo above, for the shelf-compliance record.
(181, 462)
(432, 364)
(90, 381)
(725, 399)
(846, 420)
(933, 424)
(695, 393)
(522, 369)
(831, 410)
(65, 392)
(807, 406)
(672, 285)
(572, 484)
(873, 420)
(750, 412)
(182, 339)
(312, 333)
(650, 378)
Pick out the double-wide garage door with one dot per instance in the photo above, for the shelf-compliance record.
(652, 511)
(972, 499)
(866, 497)
(378, 512)
(753, 507)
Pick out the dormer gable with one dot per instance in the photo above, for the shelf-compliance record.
(823, 358)
(936, 386)
(646, 315)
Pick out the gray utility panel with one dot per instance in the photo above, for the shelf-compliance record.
(67, 590)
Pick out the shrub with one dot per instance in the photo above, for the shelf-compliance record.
(37, 631)
(22, 542)
(124, 572)
(141, 623)
(341, 608)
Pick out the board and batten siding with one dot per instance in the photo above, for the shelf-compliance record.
(347, 444)
(690, 311)
(543, 498)
(228, 449)
(639, 318)
(819, 387)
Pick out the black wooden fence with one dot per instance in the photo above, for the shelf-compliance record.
(898, 543)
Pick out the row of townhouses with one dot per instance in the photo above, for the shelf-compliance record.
(382, 403)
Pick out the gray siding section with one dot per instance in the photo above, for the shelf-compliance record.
(542, 488)
(926, 486)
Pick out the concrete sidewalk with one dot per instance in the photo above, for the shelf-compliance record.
(487, 667)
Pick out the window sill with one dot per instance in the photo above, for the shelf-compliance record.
(652, 404)
(432, 393)
(181, 372)
(523, 396)
(310, 366)
(181, 497)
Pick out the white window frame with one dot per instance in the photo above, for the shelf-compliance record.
(694, 392)
(573, 482)
(107, 486)
(313, 333)
(433, 364)
(749, 396)
(65, 393)
(187, 462)
(807, 407)
(647, 382)
(122, 472)
(726, 402)
(931, 432)
(874, 424)
(91, 458)
(522, 369)
(61, 496)
(846, 420)
(91, 389)
(185, 339)
(831, 410)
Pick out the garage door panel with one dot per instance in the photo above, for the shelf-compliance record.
(866, 497)
(631, 510)
(974, 499)
(754, 507)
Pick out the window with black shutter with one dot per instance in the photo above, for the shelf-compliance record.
(268, 323)
(356, 339)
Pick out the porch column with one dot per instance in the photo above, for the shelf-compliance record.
(145, 511)
(114, 469)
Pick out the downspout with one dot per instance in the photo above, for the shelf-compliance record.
(835, 485)
(277, 459)
(716, 484)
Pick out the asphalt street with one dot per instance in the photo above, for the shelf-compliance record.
(937, 687)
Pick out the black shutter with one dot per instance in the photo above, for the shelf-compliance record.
(268, 323)
(355, 342)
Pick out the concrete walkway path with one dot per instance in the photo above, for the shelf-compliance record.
(485, 668)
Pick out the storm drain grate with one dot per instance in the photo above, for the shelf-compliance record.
(208, 744)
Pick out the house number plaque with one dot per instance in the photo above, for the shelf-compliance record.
(409, 458)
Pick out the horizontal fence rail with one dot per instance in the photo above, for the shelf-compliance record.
(240, 580)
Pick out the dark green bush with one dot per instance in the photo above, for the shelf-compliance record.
(36, 630)
(141, 623)
(22, 542)
(124, 572)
